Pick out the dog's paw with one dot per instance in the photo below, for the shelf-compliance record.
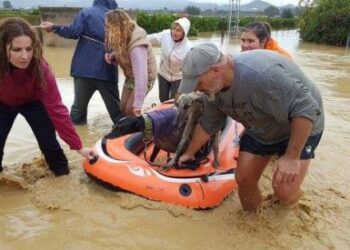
(170, 164)
(165, 168)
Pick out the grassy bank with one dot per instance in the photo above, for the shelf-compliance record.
(32, 16)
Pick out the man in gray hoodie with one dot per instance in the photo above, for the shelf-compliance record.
(280, 108)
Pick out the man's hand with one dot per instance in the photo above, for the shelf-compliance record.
(199, 138)
(136, 111)
(185, 157)
(287, 170)
(288, 165)
(47, 26)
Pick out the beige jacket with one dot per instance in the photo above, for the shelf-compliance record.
(138, 38)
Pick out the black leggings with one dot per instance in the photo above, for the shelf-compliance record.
(167, 90)
(43, 129)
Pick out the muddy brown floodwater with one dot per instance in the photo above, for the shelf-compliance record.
(38, 211)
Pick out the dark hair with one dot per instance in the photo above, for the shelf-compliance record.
(262, 30)
(13, 27)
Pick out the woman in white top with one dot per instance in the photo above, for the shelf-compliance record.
(175, 45)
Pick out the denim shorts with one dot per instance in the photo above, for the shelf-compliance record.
(248, 144)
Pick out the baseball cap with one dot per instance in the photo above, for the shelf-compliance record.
(198, 60)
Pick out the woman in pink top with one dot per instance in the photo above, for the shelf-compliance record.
(28, 87)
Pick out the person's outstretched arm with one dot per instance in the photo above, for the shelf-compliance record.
(59, 115)
(154, 38)
(71, 31)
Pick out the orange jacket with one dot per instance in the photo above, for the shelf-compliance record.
(272, 44)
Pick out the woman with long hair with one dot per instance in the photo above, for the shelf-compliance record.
(133, 53)
(28, 87)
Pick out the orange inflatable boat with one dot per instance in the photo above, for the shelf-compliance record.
(121, 164)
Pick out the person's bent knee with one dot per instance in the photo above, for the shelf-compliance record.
(286, 194)
(245, 180)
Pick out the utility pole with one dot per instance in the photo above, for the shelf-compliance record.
(234, 16)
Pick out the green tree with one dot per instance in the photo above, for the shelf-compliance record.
(7, 4)
(287, 13)
(325, 21)
(193, 10)
(297, 10)
(271, 11)
(306, 3)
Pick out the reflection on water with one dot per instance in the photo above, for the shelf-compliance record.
(60, 60)
(38, 210)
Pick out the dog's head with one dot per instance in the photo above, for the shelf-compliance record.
(186, 100)
(188, 103)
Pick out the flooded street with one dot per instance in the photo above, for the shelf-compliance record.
(39, 211)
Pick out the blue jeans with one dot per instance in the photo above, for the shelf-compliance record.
(84, 88)
(43, 129)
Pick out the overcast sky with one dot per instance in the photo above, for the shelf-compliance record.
(274, 2)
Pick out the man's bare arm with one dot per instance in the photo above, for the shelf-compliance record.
(288, 166)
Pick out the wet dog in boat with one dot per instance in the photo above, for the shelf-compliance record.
(171, 128)
(190, 108)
